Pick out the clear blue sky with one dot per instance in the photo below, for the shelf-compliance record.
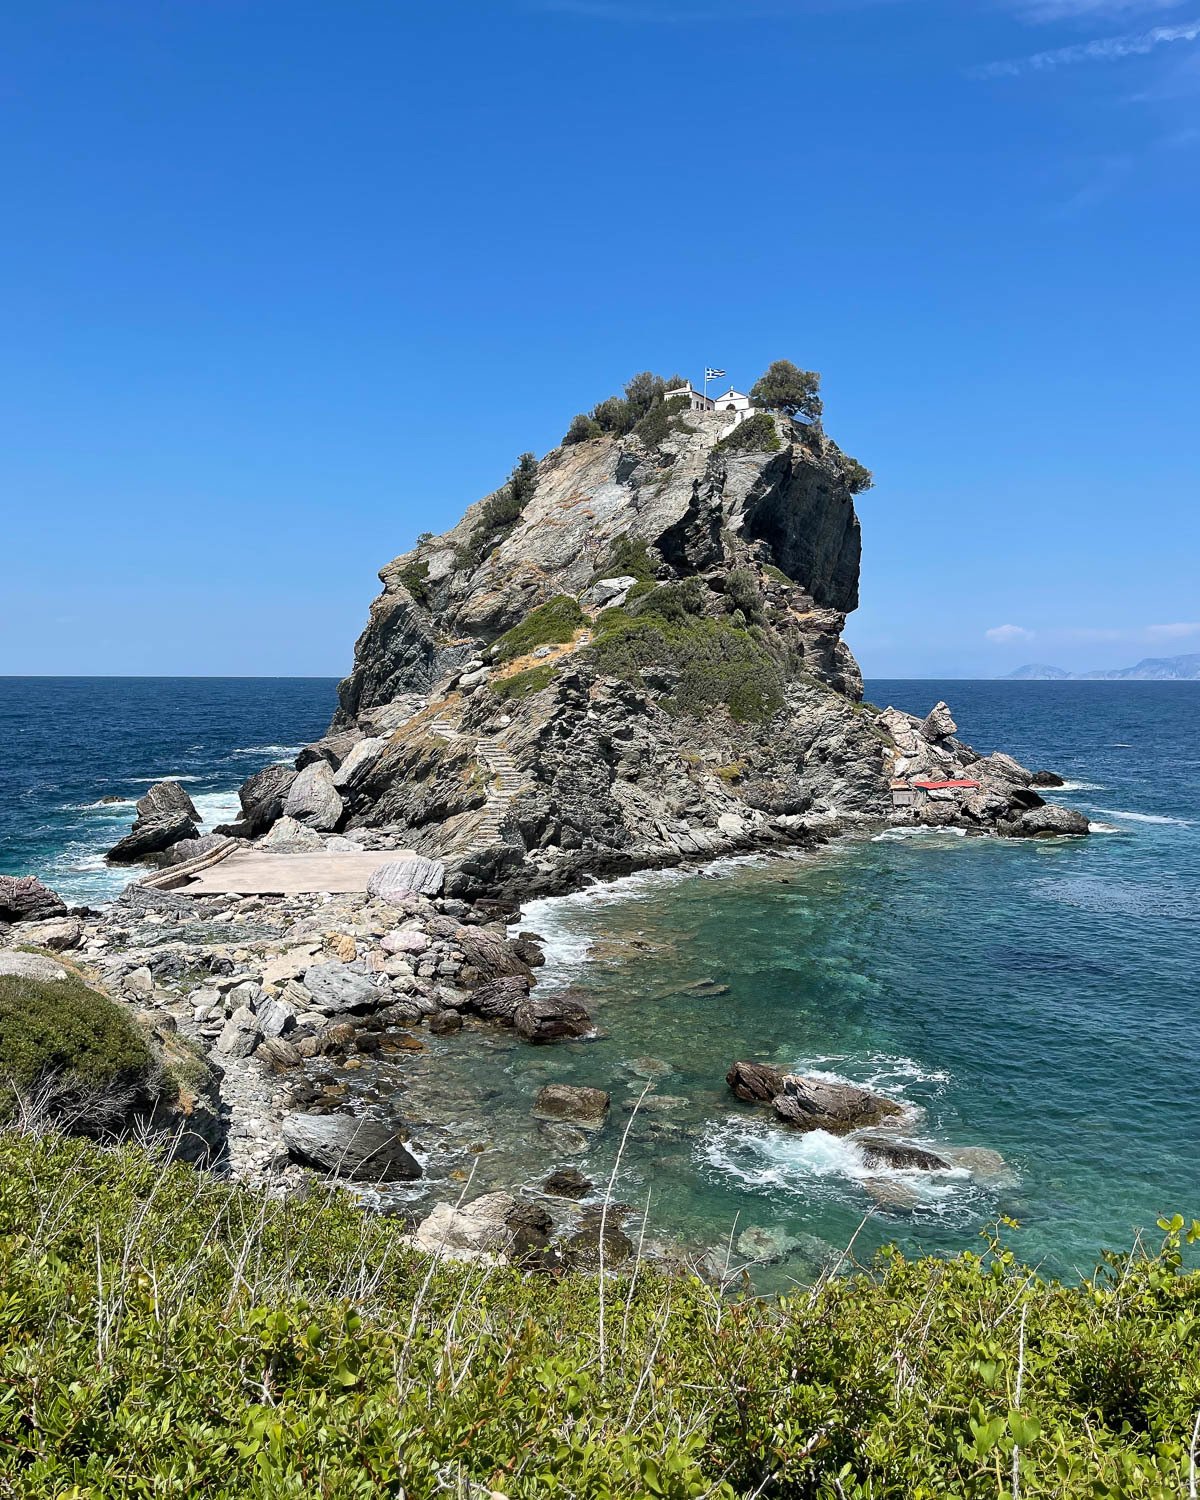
(285, 282)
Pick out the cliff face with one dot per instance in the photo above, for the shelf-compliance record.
(629, 655)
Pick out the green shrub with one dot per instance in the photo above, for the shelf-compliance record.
(670, 601)
(61, 1040)
(663, 418)
(778, 575)
(501, 512)
(743, 592)
(628, 557)
(415, 578)
(756, 434)
(550, 624)
(524, 684)
(614, 415)
(857, 477)
(719, 663)
(582, 429)
(788, 389)
(164, 1334)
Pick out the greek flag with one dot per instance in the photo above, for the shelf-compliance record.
(713, 374)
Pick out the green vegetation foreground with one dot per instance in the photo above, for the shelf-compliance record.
(164, 1334)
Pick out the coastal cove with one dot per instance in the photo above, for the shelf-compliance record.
(992, 983)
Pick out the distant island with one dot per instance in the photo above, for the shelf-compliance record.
(1149, 669)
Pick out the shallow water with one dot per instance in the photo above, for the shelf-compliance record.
(1035, 1000)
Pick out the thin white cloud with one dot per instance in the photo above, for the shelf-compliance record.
(1180, 631)
(1088, 10)
(1104, 49)
(1008, 635)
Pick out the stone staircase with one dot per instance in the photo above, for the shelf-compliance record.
(506, 779)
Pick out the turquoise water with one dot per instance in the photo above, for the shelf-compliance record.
(1035, 1000)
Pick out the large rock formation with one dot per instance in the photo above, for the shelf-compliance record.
(630, 656)
(166, 816)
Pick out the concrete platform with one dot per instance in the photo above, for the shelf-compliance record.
(251, 872)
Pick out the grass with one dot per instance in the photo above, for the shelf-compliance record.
(165, 1335)
(550, 624)
(71, 1047)
(719, 663)
(524, 684)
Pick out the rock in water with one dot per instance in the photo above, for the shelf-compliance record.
(576, 1106)
(166, 816)
(497, 999)
(825, 1104)
(756, 1083)
(882, 1152)
(23, 898)
(346, 1146)
(1047, 822)
(412, 876)
(550, 1018)
(313, 799)
(1047, 778)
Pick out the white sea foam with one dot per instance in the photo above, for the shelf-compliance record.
(1095, 827)
(267, 750)
(1137, 817)
(902, 835)
(104, 805)
(814, 1165)
(154, 776)
(217, 807)
(1075, 786)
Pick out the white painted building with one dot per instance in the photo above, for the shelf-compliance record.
(698, 400)
(734, 404)
(732, 401)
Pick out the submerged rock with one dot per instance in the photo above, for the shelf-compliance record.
(766, 1244)
(567, 1182)
(550, 1018)
(573, 1105)
(880, 1151)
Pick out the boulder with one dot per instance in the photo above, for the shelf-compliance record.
(58, 936)
(497, 999)
(186, 849)
(291, 837)
(756, 1083)
(262, 797)
(278, 1055)
(1047, 778)
(335, 989)
(30, 966)
(597, 1229)
(567, 1182)
(827, 1104)
(880, 1151)
(938, 724)
(1045, 822)
(607, 591)
(472, 1231)
(359, 761)
(1002, 768)
(404, 940)
(345, 1146)
(23, 898)
(489, 953)
(442, 1022)
(241, 1034)
(333, 750)
(313, 799)
(550, 1018)
(567, 1102)
(414, 875)
(166, 815)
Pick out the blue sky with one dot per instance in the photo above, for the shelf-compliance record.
(283, 283)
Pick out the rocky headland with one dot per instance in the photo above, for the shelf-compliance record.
(629, 656)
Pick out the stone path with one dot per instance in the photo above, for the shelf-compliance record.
(507, 779)
(251, 872)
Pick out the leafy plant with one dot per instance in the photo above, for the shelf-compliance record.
(786, 388)
(756, 434)
(69, 1046)
(857, 477)
(550, 624)
(582, 429)
(415, 578)
(501, 512)
(628, 557)
(662, 419)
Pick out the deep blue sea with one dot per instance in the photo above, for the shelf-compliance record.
(1035, 1000)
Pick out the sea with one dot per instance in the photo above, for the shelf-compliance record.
(1035, 1003)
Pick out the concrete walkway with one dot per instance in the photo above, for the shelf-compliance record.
(251, 872)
